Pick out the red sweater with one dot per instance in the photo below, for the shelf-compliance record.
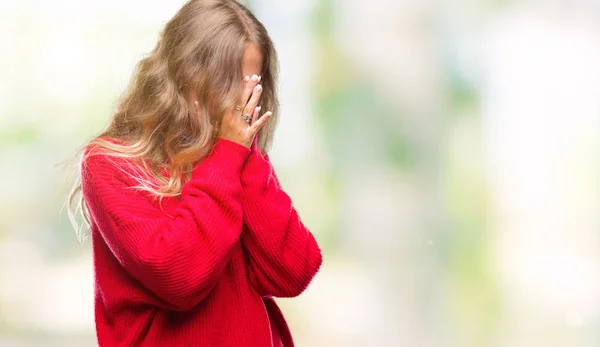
(202, 270)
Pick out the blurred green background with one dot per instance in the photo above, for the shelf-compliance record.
(444, 154)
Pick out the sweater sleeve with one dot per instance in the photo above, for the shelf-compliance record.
(180, 256)
(283, 254)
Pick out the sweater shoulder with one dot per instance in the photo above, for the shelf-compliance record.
(110, 182)
(101, 167)
(99, 162)
(106, 160)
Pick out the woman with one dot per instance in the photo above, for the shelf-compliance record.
(192, 235)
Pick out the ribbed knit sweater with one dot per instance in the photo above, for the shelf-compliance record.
(199, 269)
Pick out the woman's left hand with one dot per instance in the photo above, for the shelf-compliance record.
(250, 92)
(241, 127)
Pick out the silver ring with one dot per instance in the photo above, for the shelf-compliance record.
(246, 117)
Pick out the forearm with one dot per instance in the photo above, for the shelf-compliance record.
(179, 257)
(284, 254)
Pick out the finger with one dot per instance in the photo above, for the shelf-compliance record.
(255, 115)
(253, 102)
(260, 122)
(249, 85)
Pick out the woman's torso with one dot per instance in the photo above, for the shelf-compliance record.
(233, 314)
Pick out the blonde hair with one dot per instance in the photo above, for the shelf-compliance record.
(200, 50)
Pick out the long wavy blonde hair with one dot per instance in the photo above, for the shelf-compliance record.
(156, 126)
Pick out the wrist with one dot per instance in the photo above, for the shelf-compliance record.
(227, 157)
(246, 144)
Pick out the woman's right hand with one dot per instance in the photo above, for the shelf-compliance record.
(233, 127)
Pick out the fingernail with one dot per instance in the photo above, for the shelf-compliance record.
(254, 78)
(258, 108)
(259, 78)
(247, 78)
(258, 87)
